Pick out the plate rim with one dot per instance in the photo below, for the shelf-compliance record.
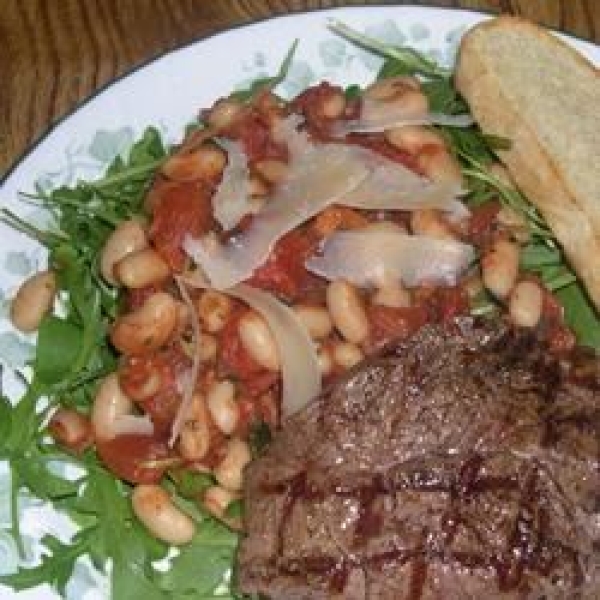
(105, 87)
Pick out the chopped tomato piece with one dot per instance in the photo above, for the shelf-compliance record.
(378, 143)
(233, 358)
(183, 210)
(283, 272)
(389, 323)
(450, 302)
(131, 457)
(253, 130)
(311, 102)
(482, 220)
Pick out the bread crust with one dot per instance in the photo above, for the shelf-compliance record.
(533, 169)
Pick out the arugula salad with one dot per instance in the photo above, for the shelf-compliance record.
(192, 301)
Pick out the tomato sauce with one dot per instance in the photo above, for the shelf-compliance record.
(184, 209)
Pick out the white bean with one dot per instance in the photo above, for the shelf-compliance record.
(222, 406)
(147, 328)
(157, 511)
(272, 170)
(208, 347)
(346, 355)
(391, 293)
(429, 222)
(213, 309)
(128, 237)
(525, 304)
(347, 311)
(391, 87)
(216, 500)
(205, 162)
(70, 428)
(439, 165)
(500, 267)
(194, 439)
(412, 138)
(223, 113)
(33, 300)
(141, 268)
(515, 222)
(229, 472)
(258, 341)
(113, 412)
(315, 319)
(324, 360)
(333, 106)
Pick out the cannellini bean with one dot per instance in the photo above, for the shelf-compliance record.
(272, 170)
(113, 412)
(71, 429)
(391, 293)
(229, 472)
(207, 348)
(324, 360)
(315, 319)
(223, 113)
(346, 355)
(391, 87)
(141, 268)
(128, 237)
(194, 439)
(439, 165)
(525, 304)
(257, 188)
(515, 222)
(141, 379)
(347, 311)
(258, 341)
(158, 513)
(33, 300)
(334, 105)
(216, 500)
(205, 162)
(222, 406)
(148, 328)
(214, 309)
(413, 138)
(429, 221)
(500, 267)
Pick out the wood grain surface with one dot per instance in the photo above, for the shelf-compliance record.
(55, 53)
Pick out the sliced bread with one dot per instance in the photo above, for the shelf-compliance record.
(523, 83)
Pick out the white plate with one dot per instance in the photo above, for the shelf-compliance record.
(168, 93)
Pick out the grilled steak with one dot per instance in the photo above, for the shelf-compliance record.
(463, 463)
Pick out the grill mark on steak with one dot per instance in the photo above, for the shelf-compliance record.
(461, 464)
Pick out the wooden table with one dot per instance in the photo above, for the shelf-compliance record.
(54, 53)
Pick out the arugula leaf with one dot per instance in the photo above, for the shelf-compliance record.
(267, 83)
(55, 568)
(203, 564)
(407, 60)
(58, 345)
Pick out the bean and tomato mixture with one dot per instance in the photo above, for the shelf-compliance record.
(237, 391)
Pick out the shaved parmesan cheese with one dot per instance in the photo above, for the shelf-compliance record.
(367, 257)
(379, 115)
(132, 425)
(392, 186)
(187, 382)
(231, 202)
(318, 177)
(300, 373)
